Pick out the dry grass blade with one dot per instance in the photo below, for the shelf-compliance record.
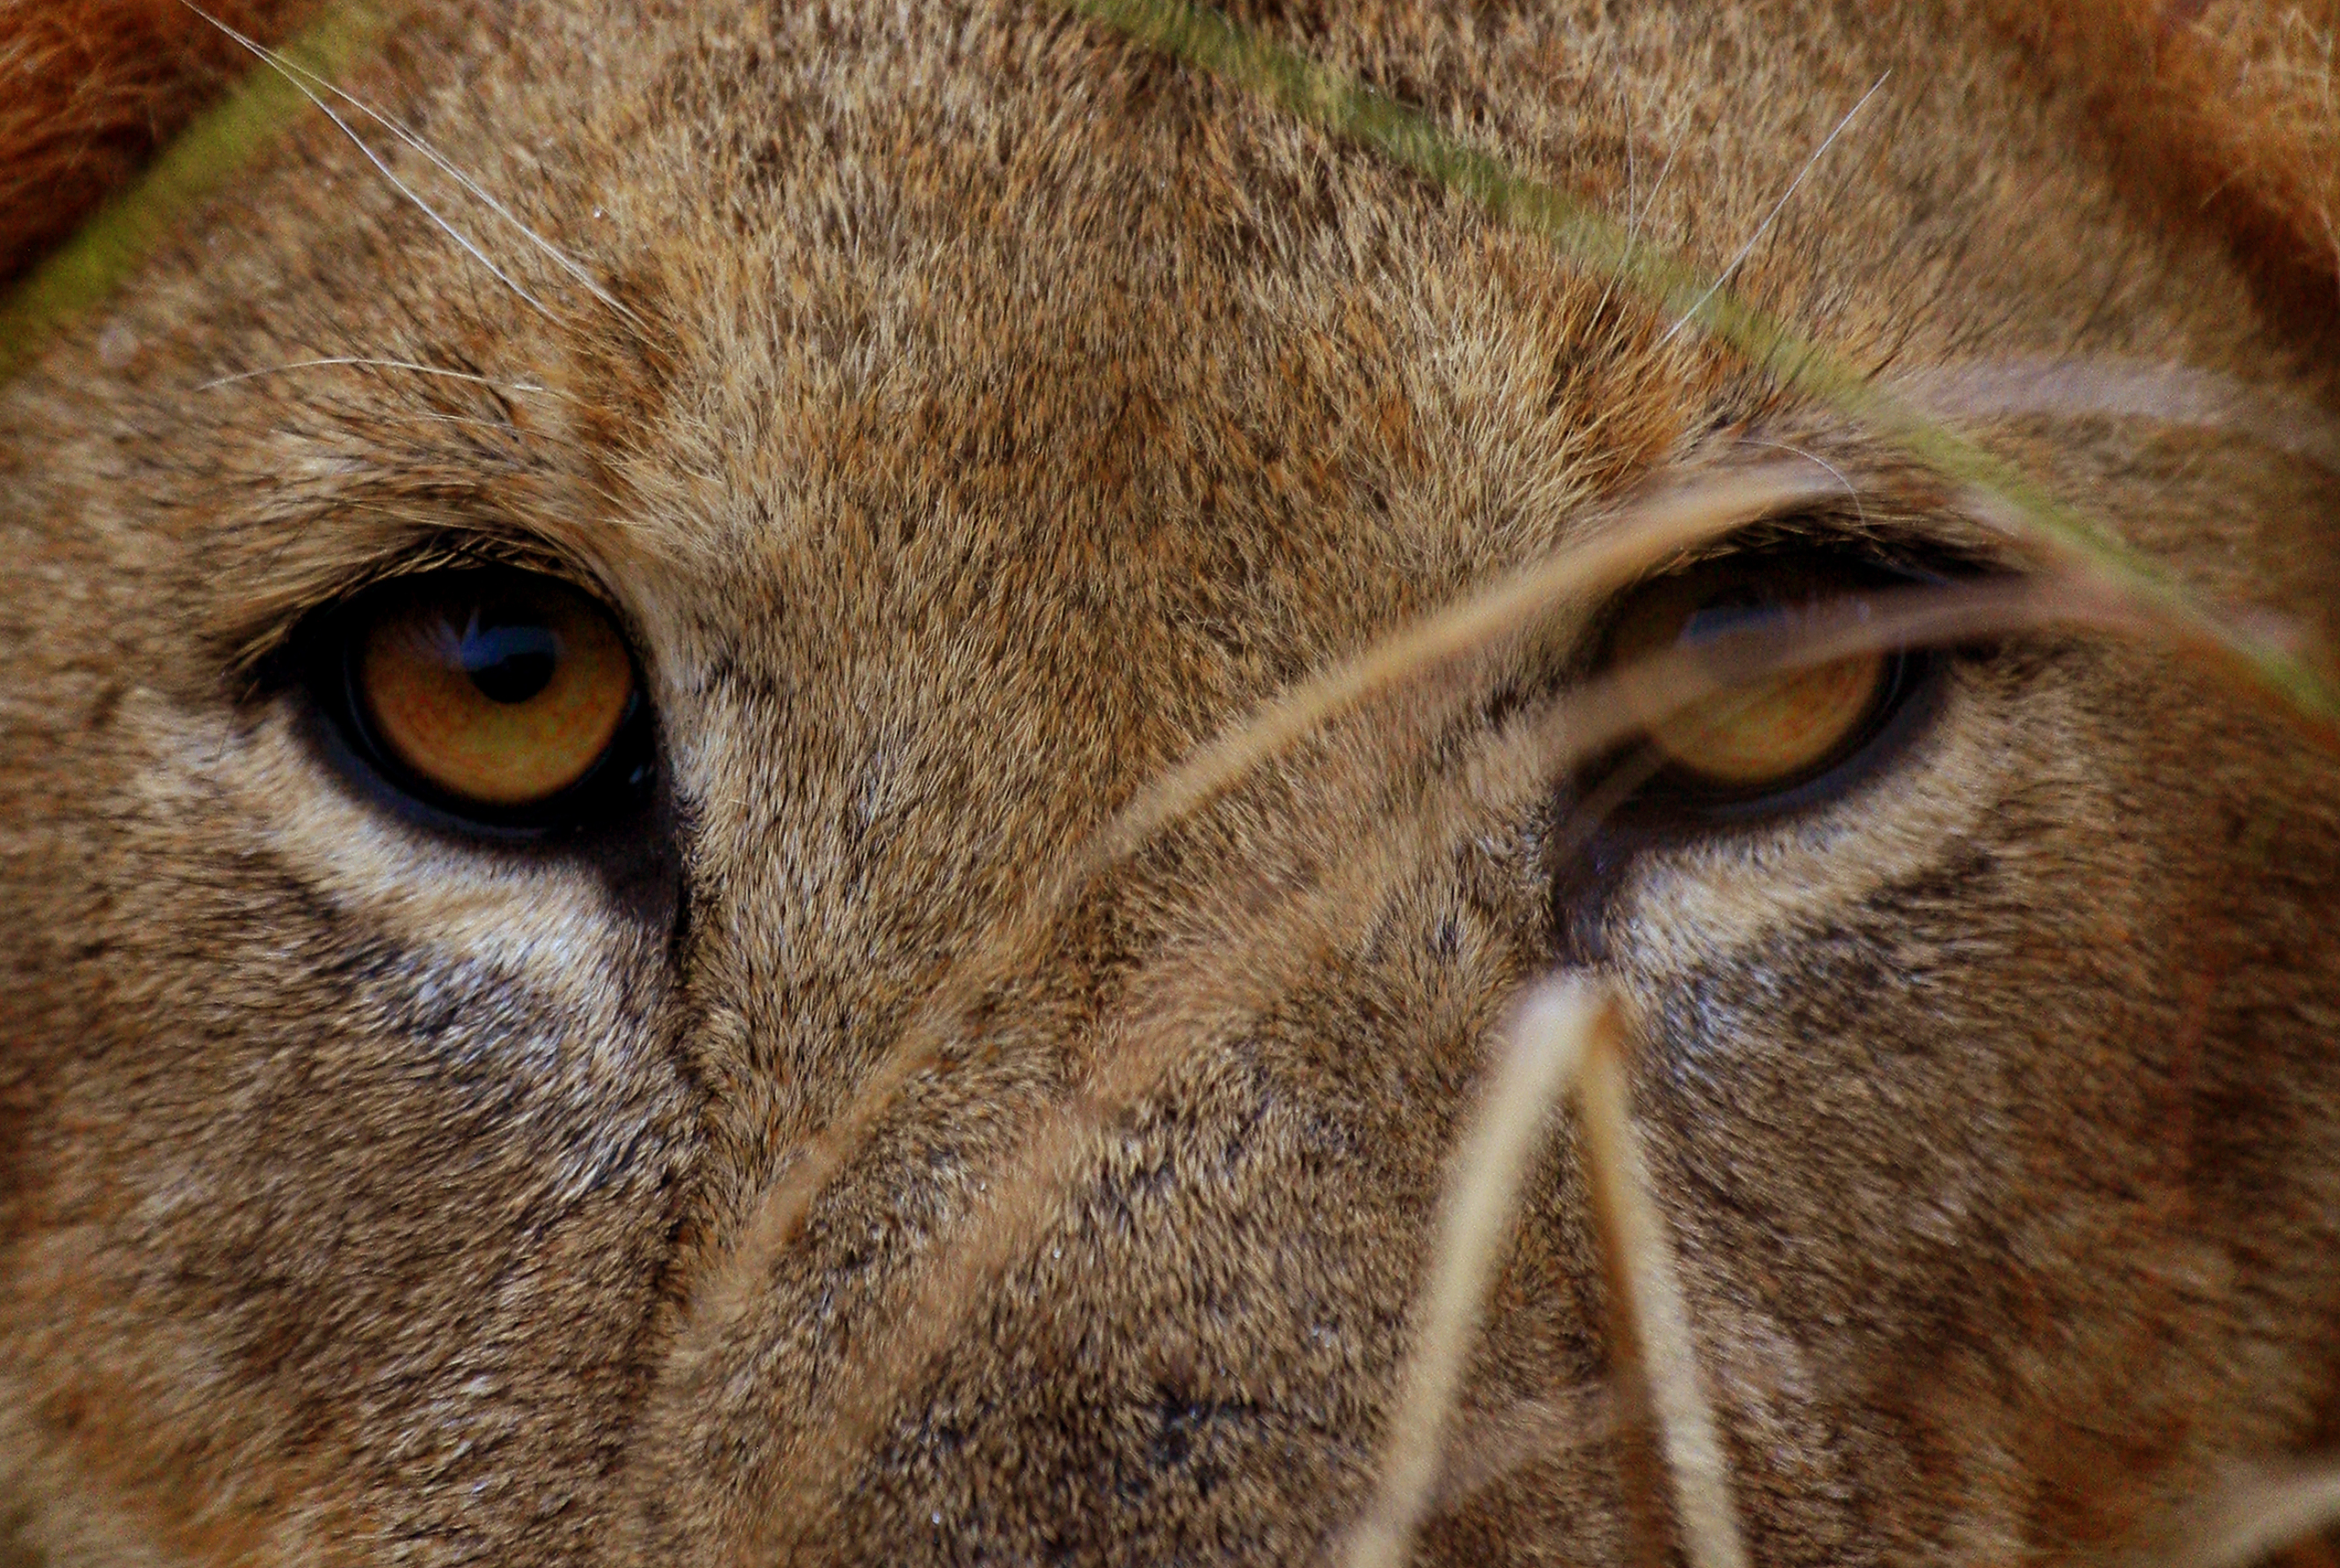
(1488, 1446)
(1642, 538)
(2166, 393)
(2255, 1514)
(1651, 1317)
(1267, 953)
(77, 278)
(1549, 1033)
(1664, 525)
(1266, 959)
(1347, 108)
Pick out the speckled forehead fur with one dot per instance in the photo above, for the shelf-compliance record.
(982, 415)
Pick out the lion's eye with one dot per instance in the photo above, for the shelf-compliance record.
(503, 699)
(1778, 741)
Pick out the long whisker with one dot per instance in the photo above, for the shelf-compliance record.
(1552, 1028)
(1209, 42)
(1723, 277)
(267, 57)
(559, 257)
(370, 363)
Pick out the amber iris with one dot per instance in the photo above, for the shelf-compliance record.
(494, 690)
(1767, 734)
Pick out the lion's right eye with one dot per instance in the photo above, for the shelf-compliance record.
(506, 700)
(1793, 739)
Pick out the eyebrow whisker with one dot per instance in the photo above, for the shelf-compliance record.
(362, 361)
(1723, 277)
(1852, 491)
(1636, 215)
(268, 57)
(560, 257)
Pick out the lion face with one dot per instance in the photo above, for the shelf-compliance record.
(577, 987)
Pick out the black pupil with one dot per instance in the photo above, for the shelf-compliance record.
(509, 661)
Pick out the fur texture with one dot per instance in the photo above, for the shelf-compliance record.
(982, 415)
(2220, 111)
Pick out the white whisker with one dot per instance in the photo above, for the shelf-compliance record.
(1773, 216)
(268, 57)
(1635, 213)
(1859, 511)
(366, 362)
(559, 257)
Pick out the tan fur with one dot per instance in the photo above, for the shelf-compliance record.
(2224, 111)
(991, 414)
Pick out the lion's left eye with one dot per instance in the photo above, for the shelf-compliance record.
(503, 700)
(1782, 740)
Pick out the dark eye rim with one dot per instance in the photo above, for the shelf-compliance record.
(617, 789)
(1675, 803)
(1908, 700)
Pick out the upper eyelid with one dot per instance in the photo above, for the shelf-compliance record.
(258, 652)
(1920, 544)
(253, 636)
(1921, 552)
(1882, 504)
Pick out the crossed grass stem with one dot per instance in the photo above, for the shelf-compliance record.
(76, 282)
(1251, 968)
(2271, 656)
(1566, 1037)
(2107, 584)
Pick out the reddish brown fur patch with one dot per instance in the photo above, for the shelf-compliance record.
(94, 88)
(2223, 109)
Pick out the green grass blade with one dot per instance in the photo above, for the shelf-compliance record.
(77, 278)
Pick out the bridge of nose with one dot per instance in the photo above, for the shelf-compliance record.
(983, 570)
(1128, 1256)
(1129, 1260)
